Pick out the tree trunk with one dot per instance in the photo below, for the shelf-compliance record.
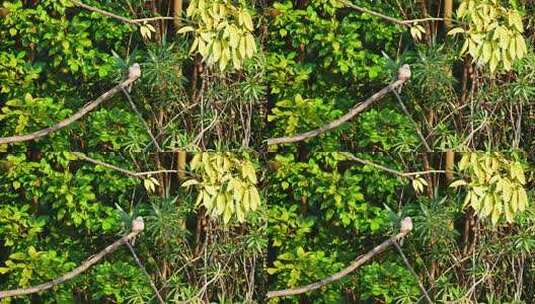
(448, 13)
(177, 9)
(450, 161)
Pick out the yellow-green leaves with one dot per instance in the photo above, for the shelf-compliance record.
(146, 30)
(418, 184)
(496, 186)
(226, 185)
(417, 32)
(223, 35)
(494, 33)
(150, 183)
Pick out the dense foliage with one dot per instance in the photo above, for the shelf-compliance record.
(228, 218)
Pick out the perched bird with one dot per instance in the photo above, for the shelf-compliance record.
(134, 72)
(138, 225)
(404, 72)
(406, 227)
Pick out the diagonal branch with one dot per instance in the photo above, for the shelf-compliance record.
(406, 227)
(136, 258)
(137, 227)
(403, 75)
(134, 72)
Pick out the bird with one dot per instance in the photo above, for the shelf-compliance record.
(404, 72)
(406, 227)
(134, 72)
(138, 225)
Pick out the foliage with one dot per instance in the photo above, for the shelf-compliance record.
(224, 32)
(227, 185)
(224, 77)
(496, 186)
(494, 35)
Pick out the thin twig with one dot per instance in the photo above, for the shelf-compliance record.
(406, 227)
(121, 18)
(133, 105)
(403, 75)
(137, 227)
(157, 293)
(133, 75)
(124, 171)
(414, 122)
(406, 261)
(390, 170)
(388, 18)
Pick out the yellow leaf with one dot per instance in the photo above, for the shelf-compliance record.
(254, 198)
(522, 199)
(185, 29)
(458, 183)
(456, 30)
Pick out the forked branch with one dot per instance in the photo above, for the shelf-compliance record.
(406, 227)
(133, 74)
(137, 227)
(403, 75)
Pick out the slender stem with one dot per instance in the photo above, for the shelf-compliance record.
(388, 18)
(157, 293)
(414, 122)
(133, 105)
(124, 171)
(390, 170)
(406, 261)
(121, 18)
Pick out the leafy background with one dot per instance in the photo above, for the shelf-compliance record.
(318, 209)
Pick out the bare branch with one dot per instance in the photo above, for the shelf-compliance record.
(134, 74)
(390, 170)
(403, 75)
(420, 284)
(133, 105)
(137, 227)
(406, 227)
(121, 18)
(388, 18)
(124, 171)
(156, 292)
(404, 108)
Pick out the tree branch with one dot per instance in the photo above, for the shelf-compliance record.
(136, 258)
(134, 72)
(420, 284)
(121, 18)
(406, 227)
(388, 18)
(137, 227)
(403, 75)
(133, 105)
(389, 170)
(124, 171)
